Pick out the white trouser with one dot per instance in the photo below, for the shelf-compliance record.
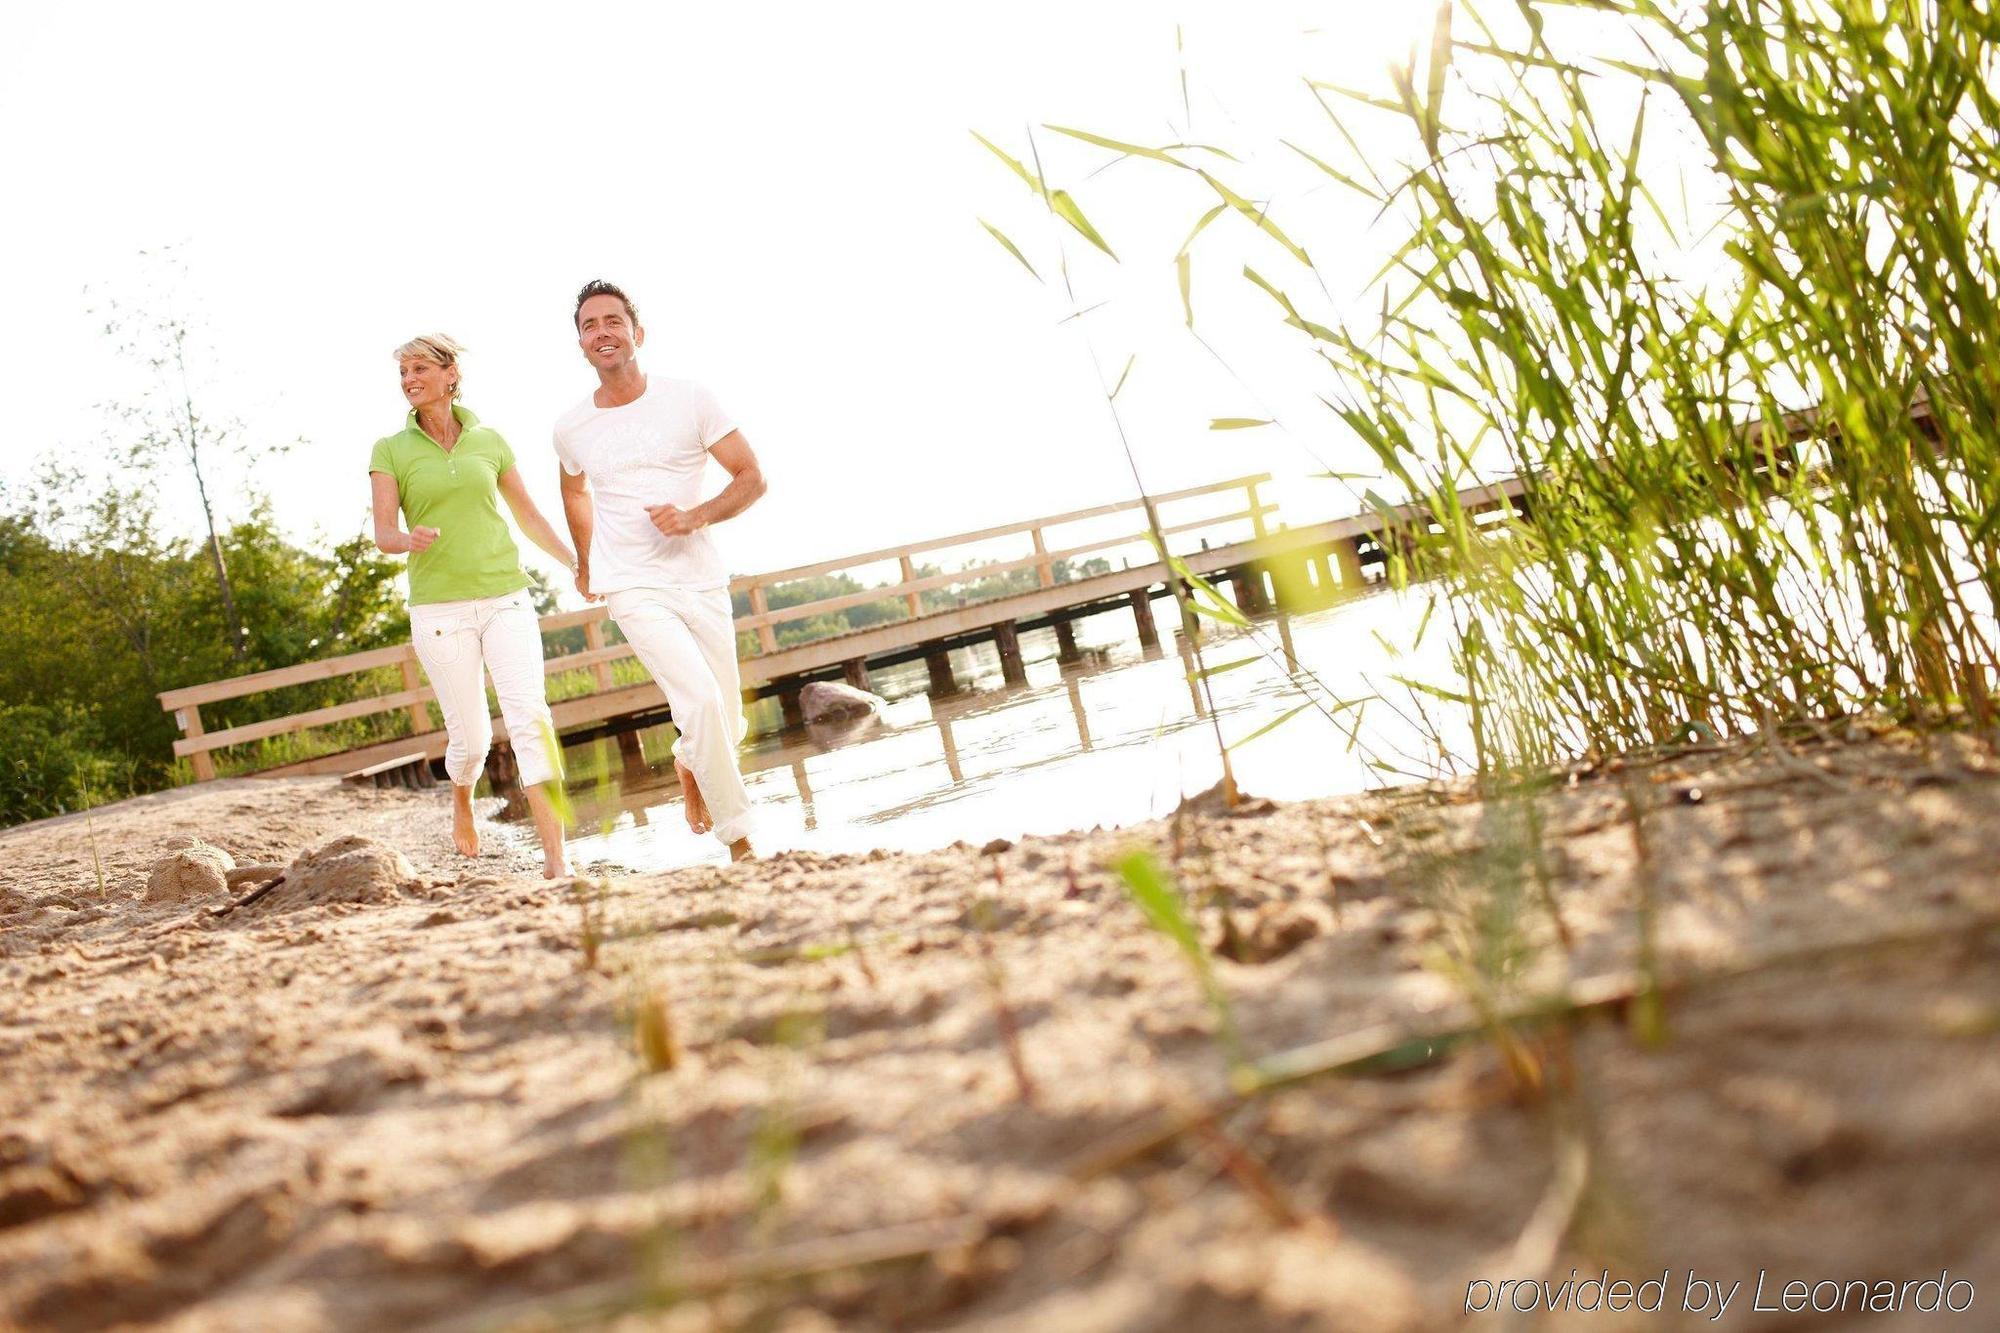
(453, 640)
(686, 637)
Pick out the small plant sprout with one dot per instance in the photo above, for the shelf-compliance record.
(591, 897)
(653, 1031)
(1005, 1021)
(1154, 893)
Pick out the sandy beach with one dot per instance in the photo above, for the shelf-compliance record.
(975, 1089)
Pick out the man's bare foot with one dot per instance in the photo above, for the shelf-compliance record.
(555, 867)
(697, 808)
(464, 833)
(740, 850)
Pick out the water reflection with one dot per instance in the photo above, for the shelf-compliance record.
(1116, 739)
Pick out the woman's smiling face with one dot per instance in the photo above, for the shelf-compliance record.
(426, 383)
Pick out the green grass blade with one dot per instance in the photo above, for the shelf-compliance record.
(1066, 208)
(1012, 249)
(1028, 177)
(1116, 146)
(1257, 216)
(1269, 727)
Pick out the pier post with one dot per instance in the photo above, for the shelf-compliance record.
(1066, 653)
(1007, 639)
(632, 752)
(1323, 571)
(501, 770)
(767, 640)
(1291, 572)
(1142, 611)
(420, 714)
(1248, 583)
(943, 685)
(855, 672)
(203, 762)
(1190, 622)
(788, 700)
(593, 641)
(1347, 555)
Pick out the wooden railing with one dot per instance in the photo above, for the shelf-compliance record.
(198, 745)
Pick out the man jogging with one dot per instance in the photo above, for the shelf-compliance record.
(633, 457)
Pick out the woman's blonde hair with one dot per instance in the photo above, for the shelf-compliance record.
(439, 347)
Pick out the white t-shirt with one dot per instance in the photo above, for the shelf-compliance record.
(651, 451)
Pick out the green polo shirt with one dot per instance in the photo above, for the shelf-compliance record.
(456, 491)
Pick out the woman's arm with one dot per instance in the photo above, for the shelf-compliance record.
(578, 512)
(388, 536)
(533, 526)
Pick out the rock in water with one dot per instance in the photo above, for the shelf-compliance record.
(827, 701)
(194, 871)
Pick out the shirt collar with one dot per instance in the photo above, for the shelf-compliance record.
(466, 418)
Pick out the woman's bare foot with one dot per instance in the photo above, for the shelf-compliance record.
(697, 808)
(549, 830)
(464, 833)
(740, 850)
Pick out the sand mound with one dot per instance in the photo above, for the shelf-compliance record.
(196, 870)
(351, 868)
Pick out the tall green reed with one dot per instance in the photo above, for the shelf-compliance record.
(1756, 442)
(1759, 495)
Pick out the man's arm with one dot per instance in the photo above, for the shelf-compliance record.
(578, 513)
(746, 484)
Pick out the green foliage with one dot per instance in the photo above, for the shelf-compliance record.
(52, 760)
(1760, 442)
(101, 612)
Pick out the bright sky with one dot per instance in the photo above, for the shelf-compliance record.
(789, 191)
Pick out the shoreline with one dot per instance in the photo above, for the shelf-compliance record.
(959, 1088)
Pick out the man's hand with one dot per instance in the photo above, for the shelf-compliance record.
(673, 521)
(583, 584)
(421, 539)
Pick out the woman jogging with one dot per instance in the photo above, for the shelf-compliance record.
(469, 605)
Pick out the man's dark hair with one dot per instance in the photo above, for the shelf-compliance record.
(599, 287)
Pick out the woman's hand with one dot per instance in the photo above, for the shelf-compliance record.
(421, 539)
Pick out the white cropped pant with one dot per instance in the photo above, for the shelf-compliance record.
(686, 638)
(453, 640)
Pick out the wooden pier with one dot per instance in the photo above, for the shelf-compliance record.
(1264, 564)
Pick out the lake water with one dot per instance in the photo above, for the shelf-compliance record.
(1113, 742)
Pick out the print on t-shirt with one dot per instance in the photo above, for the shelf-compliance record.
(651, 451)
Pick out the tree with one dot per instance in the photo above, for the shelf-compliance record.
(169, 427)
(101, 612)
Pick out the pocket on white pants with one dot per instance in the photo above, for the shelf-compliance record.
(442, 638)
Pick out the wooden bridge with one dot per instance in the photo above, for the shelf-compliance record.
(1267, 565)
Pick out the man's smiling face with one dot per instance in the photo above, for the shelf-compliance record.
(607, 335)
